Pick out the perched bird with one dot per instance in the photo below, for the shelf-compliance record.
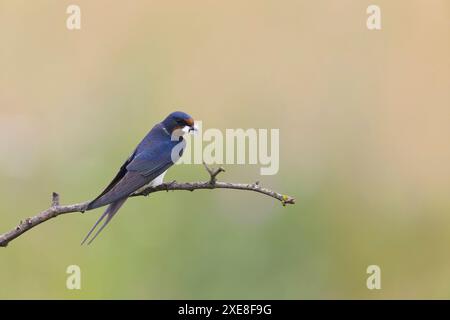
(146, 166)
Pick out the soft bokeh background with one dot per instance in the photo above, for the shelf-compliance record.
(364, 125)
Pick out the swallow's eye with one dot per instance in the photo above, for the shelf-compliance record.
(180, 121)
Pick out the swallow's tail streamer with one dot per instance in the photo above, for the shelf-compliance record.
(109, 214)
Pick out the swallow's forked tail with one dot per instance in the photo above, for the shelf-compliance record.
(109, 214)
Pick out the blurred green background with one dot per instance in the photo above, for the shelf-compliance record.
(364, 127)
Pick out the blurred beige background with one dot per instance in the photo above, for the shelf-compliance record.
(364, 126)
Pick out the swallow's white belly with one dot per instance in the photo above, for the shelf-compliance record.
(154, 183)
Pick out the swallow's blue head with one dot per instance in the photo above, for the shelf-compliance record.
(178, 120)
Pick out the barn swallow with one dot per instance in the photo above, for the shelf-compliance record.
(146, 166)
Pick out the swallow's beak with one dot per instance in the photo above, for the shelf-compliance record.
(190, 125)
(193, 129)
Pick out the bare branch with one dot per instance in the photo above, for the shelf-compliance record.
(56, 209)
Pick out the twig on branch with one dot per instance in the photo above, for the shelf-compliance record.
(56, 209)
(213, 173)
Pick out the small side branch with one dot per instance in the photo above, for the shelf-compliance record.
(213, 173)
(56, 209)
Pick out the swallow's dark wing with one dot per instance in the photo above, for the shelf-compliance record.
(139, 170)
(151, 163)
(117, 178)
